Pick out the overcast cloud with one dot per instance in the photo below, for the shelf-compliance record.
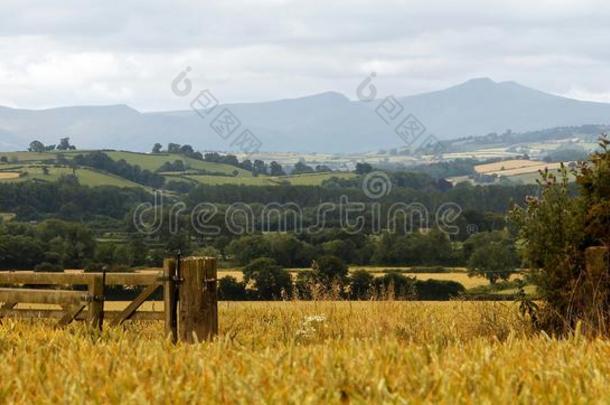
(55, 53)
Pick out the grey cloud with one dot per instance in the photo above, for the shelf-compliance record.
(128, 51)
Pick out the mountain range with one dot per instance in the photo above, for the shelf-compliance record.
(327, 122)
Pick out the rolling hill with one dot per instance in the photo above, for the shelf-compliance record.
(27, 166)
(328, 122)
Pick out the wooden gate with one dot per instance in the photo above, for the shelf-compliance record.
(190, 308)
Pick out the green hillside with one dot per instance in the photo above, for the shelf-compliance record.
(24, 166)
(86, 176)
(152, 162)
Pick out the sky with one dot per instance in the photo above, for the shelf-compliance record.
(80, 52)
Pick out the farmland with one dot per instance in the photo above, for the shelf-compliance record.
(460, 277)
(86, 176)
(23, 166)
(310, 352)
(515, 167)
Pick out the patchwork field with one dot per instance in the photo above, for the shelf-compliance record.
(219, 174)
(310, 352)
(85, 176)
(146, 161)
(310, 179)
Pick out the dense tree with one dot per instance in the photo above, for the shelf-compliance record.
(229, 289)
(248, 248)
(360, 284)
(36, 146)
(270, 281)
(363, 168)
(20, 252)
(177, 166)
(173, 148)
(259, 167)
(101, 161)
(300, 167)
(275, 169)
(493, 256)
(157, 148)
(394, 285)
(247, 165)
(187, 150)
(64, 144)
(330, 269)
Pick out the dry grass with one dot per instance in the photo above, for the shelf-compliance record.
(515, 167)
(489, 168)
(9, 175)
(313, 352)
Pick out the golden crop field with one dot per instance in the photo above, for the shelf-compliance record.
(9, 175)
(506, 165)
(527, 169)
(462, 278)
(310, 352)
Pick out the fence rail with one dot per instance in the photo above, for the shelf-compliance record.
(190, 309)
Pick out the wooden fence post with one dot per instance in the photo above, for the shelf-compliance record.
(170, 299)
(210, 295)
(96, 303)
(198, 308)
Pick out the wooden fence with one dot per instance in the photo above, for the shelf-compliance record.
(190, 305)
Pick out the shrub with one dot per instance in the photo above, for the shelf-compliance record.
(395, 286)
(360, 284)
(306, 284)
(330, 269)
(554, 231)
(229, 289)
(438, 290)
(270, 281)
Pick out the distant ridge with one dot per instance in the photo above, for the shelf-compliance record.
(326, 122)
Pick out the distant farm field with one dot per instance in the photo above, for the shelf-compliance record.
(85, 176)
(241, 180)
(459, 276)
(506, 165)
(515, 167)
(310, 352)
(154, 162)
(197, 171)
(9, 175)
(310, 179)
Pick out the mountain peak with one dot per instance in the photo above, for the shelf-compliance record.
(479, 82)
